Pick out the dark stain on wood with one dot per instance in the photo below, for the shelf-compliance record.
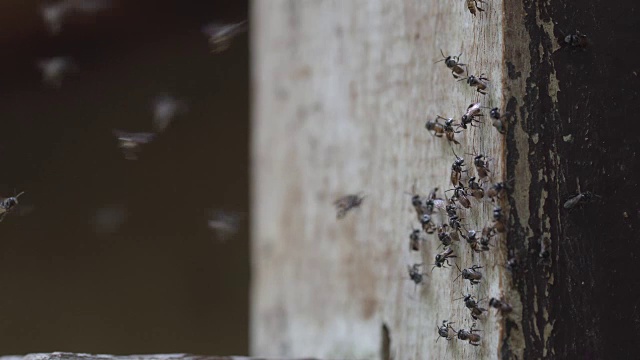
(587, 290)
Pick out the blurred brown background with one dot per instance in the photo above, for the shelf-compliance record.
(163, 282)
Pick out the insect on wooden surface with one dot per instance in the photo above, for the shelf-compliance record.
(473, 7)
(347, 203)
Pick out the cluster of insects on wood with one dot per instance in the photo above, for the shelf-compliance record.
(443, 218)
(472, 185)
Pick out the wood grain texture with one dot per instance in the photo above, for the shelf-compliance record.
(342, 91)
(80, 356)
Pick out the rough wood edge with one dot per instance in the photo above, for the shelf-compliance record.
(82, 356)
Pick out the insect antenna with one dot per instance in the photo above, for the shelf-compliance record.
(443, 57)
(459, 271)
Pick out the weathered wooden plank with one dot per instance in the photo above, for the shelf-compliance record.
(80, 356)
(571, 108)
(342, 93)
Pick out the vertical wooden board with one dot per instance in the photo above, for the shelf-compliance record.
(342, 91)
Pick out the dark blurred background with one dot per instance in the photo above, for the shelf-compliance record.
(162, 282)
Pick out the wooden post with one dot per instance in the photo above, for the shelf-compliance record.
(80, 356)
(342, 93)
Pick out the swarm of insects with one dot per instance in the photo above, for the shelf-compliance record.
(346, 203)
(8, 205)
(479, 82)
(445, 330)
(453, 63)
(445, 129)
(220, 35)
(497, 120)
(130, 143)
(501, 305)
(473, 111)
(474, 339)
(471, 303)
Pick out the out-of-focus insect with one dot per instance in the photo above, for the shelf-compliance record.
(415, 275)
(544, 249)
(453, 63)
(415, 238)
(473, 111)
(460, 195)
(513, 265)
(480, 83)
(456, 170)
(346, 203)
(497, 120)
(501, 305)
(418, 202)
(225, 223)
(472, 5)
(55, 69)
(442, 258)
(577, 40)
(445, 129)
(433, 202)
(56, 13)
(581, 198)
(445, 330)
(428, 226)
(130, 143)
(165, 109)
(474, 339)
(109, 219)
(498, 220)
(498, 190)
(472, 304)
(472, 240)
(488, 232)
(8, 205)
(220, 35)
(475, 189)
(472, 274)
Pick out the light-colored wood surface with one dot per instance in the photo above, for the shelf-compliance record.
(81, 356)
(341, 94)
